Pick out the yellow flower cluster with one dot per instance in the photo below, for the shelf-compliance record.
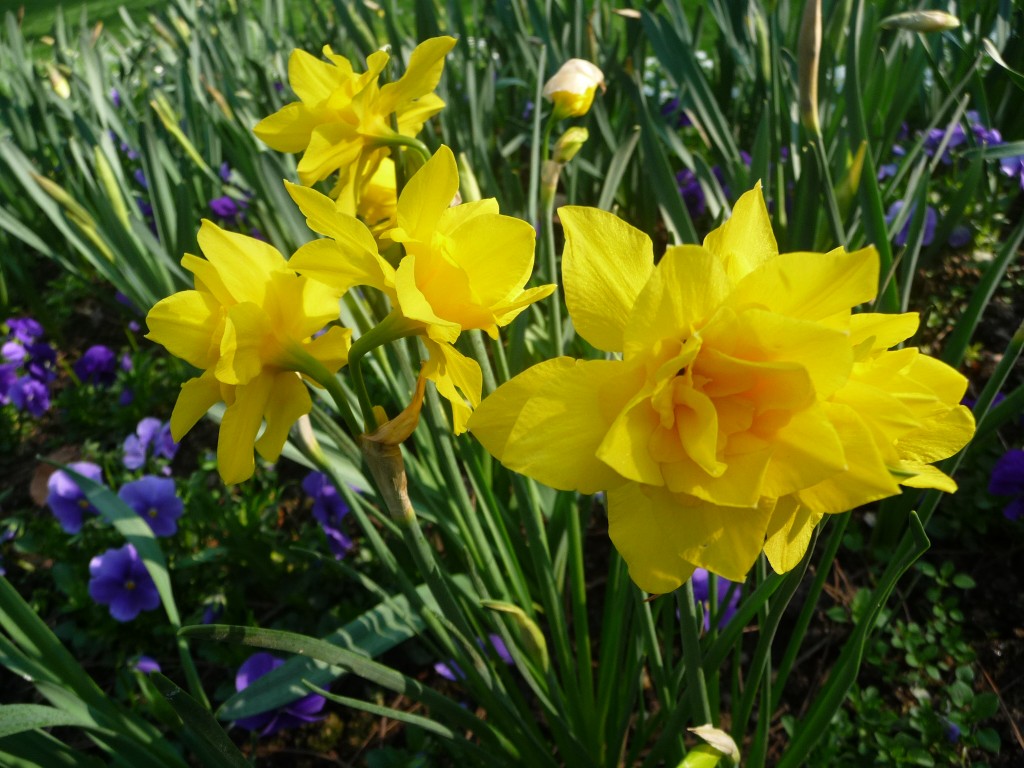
(743, 400)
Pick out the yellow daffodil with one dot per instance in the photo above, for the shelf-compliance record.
(341, 115)
(465, 268)
(745, 402)
(571, 89)
(248, 325)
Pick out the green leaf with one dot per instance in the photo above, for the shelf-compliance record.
(376, 631)
(18, 718)
(963, 581)
(988, 739)
(36, 749)
(211, 743)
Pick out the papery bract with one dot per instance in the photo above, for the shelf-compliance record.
(748, 402)
(249, 325)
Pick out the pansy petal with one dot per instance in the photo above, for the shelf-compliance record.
(605, 265)
(548, 421)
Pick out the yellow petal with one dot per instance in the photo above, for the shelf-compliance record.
(745, 241)
(427, 195)
(496, 253)
(605, 265)
(331, 146)
(548, 421)
(241, 262)
(313, 79)
(807, 451)
(332, 348)
(661, 535)
(685, 287)
(875, 332)
(625, 446)
(421, 77)
(288, 400)
(416, 306)
(506, 313)
(925, 476)
(289, 129)
(242, 350)
(866, 478)
(939, 438)
(329, 263)
(197, 396)
(810, 286)
(188, 324)
(789, 534)
(239, 426)
(458, 379)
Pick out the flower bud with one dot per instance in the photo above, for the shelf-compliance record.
(569, 144)
(572, 88)
(809, 47)
(921, 21)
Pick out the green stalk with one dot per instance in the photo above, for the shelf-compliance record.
(700, 706)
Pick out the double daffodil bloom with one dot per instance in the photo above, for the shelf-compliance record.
(466, 267)
(571, 89)
(248, 324)
(747, 403)
(342, 117)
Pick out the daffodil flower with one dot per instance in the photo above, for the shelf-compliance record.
(744, 399)
(571, 89)
(342, 116)
(465, 267)
(248, 324)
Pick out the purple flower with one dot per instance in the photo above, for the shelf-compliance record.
(42, 361)
(673, 113)
(8, 376)
(24, 329)
(304, 710)
(702, 595)
(934, 137)
(329, 509)
(224, 172)
(1008, 480)
(226, 207)
(140, 178)
(1013, 167)
(900, 238)
(213, 610)
(889, 169)
(952, 732)
(959, 237)
(154, 500)
(98, 365)
(146, 665)
(126, 397)
(449, 670)
(28, 394)
(115, 97)
(119, 580)
(691, 192)
(13, 352)
(151, 435)
(66, 500)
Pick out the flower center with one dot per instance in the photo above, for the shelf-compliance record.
(153, 512)
(129, 584)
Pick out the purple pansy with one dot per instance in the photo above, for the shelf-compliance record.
(449, 670)
(1008, 480)
(42, 361)
(152, 437)
(24, 329)
(329, 509)
(140, 178)
(305, 710)
(1014, 168)
(146, 665)
(29, 394)
(155, 500)
(115, 98)
(224, 172)
(66, 500)
(226, 207)
(119, 580)
(13, 352)
(98, 365)
(900, 238)
(702, 595)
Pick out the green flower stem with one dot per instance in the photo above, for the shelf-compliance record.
(392, 327)
(476, 343)
(835, 538)
(700, 707)
(552, 263)
(831, 204)
(578, 589)
(304, 363)
(398, 140)
(535, 145)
